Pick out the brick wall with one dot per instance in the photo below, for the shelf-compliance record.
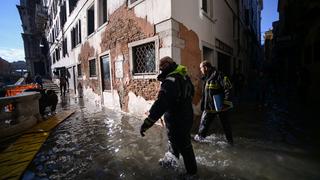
(124, 27)
(87, 52)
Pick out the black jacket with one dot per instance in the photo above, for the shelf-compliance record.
(213, 84)
(174, 100)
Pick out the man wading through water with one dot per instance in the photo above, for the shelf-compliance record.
(175, 103)
(215, 93)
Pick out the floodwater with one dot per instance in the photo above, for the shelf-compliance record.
(96, 143)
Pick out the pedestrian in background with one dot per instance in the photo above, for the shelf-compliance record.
(38, 80)
(63, 84)
(174, 101)
(216, 89)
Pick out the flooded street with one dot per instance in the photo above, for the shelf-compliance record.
(97, 143)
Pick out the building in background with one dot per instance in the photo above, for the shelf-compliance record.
(18, 68)
(33, 15)
(11, 72)
(297, 42)
(268, 45)
(4, 67)
(110, 49)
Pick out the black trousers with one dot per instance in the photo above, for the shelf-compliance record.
(207, 118)
(180, 143)
(63, 88)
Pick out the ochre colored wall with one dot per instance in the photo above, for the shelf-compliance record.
(191, 58)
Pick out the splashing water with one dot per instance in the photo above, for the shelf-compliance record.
(103, 144)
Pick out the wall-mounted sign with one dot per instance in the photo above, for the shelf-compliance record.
(119, 68)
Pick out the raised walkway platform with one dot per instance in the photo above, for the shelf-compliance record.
(16, 158)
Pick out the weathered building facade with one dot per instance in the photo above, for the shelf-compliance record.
(110, 49)
(34, 16)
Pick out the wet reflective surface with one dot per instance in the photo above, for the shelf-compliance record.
(97, 143)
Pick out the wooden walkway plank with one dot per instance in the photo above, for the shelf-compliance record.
(16, 158)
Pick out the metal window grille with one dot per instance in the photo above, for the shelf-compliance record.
(92, 68)
(144, 58)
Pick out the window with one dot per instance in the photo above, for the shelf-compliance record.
(105, 72)
(63, 14)
(103, 13)
(64, 47)
(205, 6)
(90, 24)
(72, 5)
(57, 51)
(144, 58)
(76, 35)
(79, 70)
(53, 58)
(92, 68)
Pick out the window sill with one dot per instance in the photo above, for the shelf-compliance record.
(103, 25)
(205, 14)
(93, 78)
(90, 35)
(146, 76)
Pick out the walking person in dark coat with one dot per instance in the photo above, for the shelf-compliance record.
(63, 85)
(175, 103)
(215, 86)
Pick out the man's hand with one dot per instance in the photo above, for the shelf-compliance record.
(148, 122)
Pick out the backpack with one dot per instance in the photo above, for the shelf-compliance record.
(185, 88)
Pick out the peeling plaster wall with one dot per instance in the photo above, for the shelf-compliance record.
(124, 27)
(191, 58)
(111, 100)
(90, 85)
(138, 105)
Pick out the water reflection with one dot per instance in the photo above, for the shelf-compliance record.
(102, 144)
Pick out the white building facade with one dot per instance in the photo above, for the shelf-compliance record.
(110, 49)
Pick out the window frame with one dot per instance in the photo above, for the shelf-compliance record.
(131, 45)
(95, 65)
(64, 47)
(209, 11)
(101, 11)
(75, 34)
(101, 71)
(94, 24)
(79, 73)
